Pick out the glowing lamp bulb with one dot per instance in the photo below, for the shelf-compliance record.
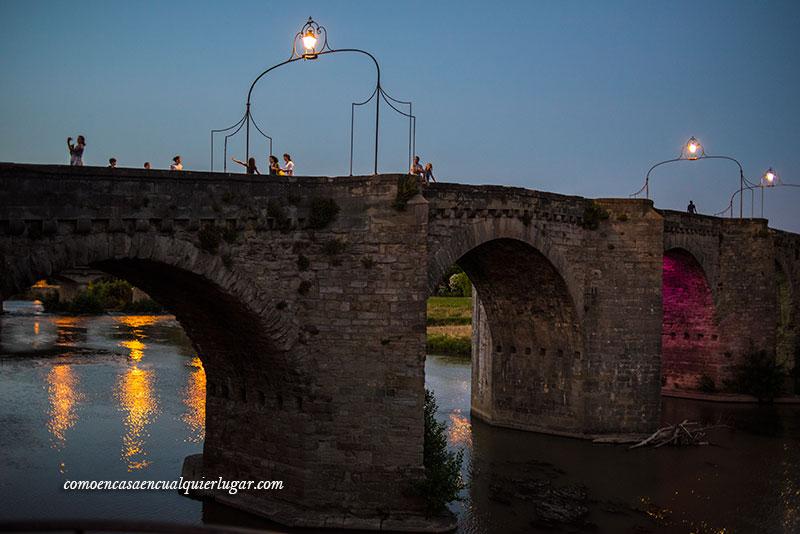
(692, 148)
(309, 40)
(770, 176)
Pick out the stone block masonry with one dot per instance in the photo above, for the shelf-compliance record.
(312, 334)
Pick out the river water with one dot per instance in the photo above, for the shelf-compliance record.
(123, 397)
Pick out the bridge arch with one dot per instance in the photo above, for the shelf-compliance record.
(467, 239)
(690, 343)
(527, 339)
(256, 371)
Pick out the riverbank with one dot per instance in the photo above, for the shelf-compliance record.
(450, 326)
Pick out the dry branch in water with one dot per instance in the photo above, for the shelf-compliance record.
(685, 433)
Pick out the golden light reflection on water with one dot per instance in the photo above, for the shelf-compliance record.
(64, 396)
(194, 398)
(136, 396)
(136, 347)
(138, 321)
(459, 431)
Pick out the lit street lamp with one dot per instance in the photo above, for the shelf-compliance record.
(692, 151)
(311, 35)
(769, 179)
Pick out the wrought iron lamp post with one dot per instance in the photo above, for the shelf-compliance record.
(693, 151)
(311, 35)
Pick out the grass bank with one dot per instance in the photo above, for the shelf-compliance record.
(449, 326)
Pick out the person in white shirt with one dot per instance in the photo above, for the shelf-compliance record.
(417, 169)
(288, 168)
(176, 165)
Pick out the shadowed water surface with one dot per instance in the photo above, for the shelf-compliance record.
(107, 398)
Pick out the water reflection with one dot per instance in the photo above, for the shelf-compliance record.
(137, 398)
(70, 331)
(194, 399)
(64, 397)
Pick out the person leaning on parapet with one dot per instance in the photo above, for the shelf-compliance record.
(251, 165)
(76, 151)
(274, 167)
(176, 164)
(112, 162)
(417, 169)
(288, 168)
(691, 208)
(429, 174)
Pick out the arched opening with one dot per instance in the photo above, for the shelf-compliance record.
(526, 339)
(689, 347)
(787, 342)
(248, 401)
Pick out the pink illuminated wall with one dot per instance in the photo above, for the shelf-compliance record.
(690, 340)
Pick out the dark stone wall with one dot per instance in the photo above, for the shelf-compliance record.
(312, 339)
(566, 326)
(313, 336)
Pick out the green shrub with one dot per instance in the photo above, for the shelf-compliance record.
(323, 211)
(303, 263)
(706, 384)
(461, 285)
(304, 286)
(86, 303)
(407, 188)
(442, 482)
(51, 303)
(209, 237)
(592, 215)
(112, 292)
(760, 375)
(449, 345)
(275, 211)
(368, 262)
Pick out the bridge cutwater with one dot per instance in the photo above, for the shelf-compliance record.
(312, 331)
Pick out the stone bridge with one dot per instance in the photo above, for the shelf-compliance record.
(305, 298)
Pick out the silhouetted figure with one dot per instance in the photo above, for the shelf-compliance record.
(251, 165)
(146, 164)
(76, 151)
(176, 164)
(112, 162)
(691, 208)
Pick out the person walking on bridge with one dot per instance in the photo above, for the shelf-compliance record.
(691, 208)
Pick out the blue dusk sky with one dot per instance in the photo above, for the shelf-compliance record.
(579, 98)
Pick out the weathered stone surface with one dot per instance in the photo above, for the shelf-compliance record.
(313, 340)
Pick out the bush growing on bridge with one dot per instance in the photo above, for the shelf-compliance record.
(442, 481)
(407, 188)
(592, 215)
(323, 211)
(209, 237)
